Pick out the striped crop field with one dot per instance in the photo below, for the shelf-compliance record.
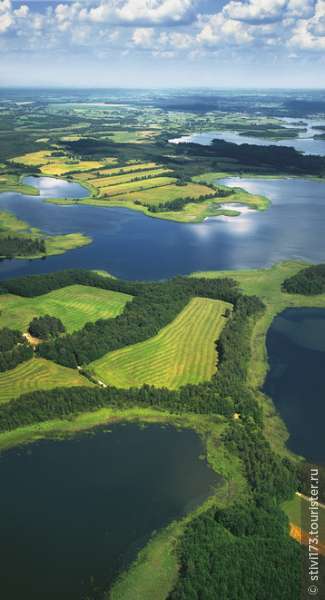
(75, 305)
(171, 192)
(120, 170)
(127, 177)
(37, 374)
(182, 352)
(133, 186)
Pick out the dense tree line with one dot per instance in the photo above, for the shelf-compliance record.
(177, 203)
(37, 285)
(267, 474)
(46, 327)
(309, 281)
(13, 349)
(11, 246)
(283, 158)
(39, 406)
(9, 338)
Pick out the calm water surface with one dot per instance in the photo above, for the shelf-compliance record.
(133, 246)
(296, 379)
(305, 142)
(75, 512)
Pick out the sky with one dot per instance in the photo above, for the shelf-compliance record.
(162, 43)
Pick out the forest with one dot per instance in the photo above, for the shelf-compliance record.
(282, 158)
(13, 349)
(309, 281)
(11, 246)
(238, 553)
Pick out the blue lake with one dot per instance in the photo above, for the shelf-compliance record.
(305, 142)
(296, 379)
(75, 512)
(133, 246)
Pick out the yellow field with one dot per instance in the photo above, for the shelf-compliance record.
(120, 170)
(75, 305)
(134, 186)
(182, 352)
(58, 168)
(170, 192)
(37, 374)
(56, 165)
(127, 177)
(41, 157)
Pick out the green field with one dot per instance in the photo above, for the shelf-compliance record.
(119, 170)
(182, 352)
(127, 177)
(75, 305)
(266, 283)
(171, 192)
(37, 374)
(137, 187)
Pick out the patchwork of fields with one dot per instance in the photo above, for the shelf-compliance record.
(75, 305)
(146, 184)
(57, 163)
(182, 352)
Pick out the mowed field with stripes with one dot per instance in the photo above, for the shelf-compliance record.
(150, 183)
(75, 305)
(37, 374)
(182, 352)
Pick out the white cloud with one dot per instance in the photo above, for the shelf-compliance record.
(142, 12)
(268, 11)
(143, 37)
(9, 16)
(309, 34)
(218, 29)
(154, 11)
(255, 10)
(6, 17)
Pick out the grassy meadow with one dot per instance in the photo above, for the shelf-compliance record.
(37, 374)
(75, 305)
(182, 352)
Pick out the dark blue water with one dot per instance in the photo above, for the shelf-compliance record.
(75, 512)
(131, 245)
(296, 379)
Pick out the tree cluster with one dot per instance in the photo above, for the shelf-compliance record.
(309, 281)
(11, 246)
(46, 327)
(13, 349)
